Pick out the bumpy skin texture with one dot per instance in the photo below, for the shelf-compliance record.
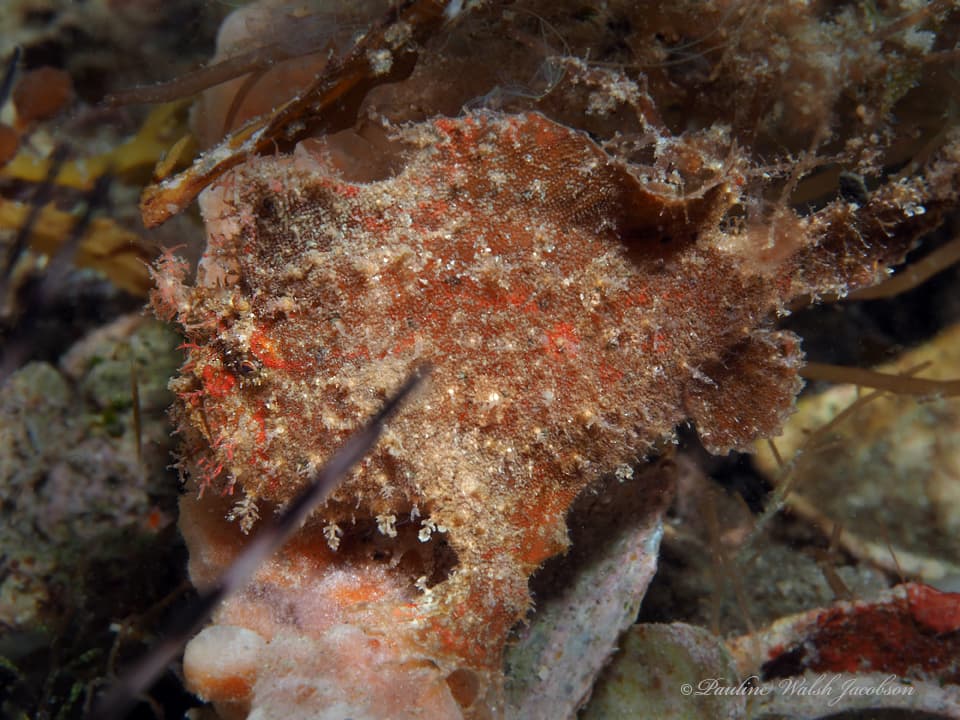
(573, 315)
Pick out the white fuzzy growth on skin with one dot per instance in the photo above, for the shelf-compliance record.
(380, 61)
(246, 513)
(427, 528)
(333, 533)
(387, 525)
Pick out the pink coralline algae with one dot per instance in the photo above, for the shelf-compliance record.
(574, 315)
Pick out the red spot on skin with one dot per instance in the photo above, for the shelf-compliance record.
(432, 214)
(264, 349)
(216, 382)
(446, 125)
(375, 225)
(463, 133)
(517, 298)
(609, 374)
(403, 344)
(660, 343)
(268, 351)
(260, 418)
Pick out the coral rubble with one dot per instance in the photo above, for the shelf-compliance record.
(87, 514)
(896, 650)
(68, 441)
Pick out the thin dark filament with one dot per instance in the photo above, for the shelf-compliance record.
(40, 292)
(6, 85)
(241, 95)
(297, 38)
(197, 81)
(41, 196)
(62, 260)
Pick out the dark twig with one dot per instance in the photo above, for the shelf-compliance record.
(62, 260)
(41, 196)
(328, 105)
(897, 384)
(6, 85)
(40, 292)
(137, 417)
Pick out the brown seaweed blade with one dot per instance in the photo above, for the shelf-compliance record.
(896, 384)
(199, 80)
(329, 104)
(123, 694)
(293, 36)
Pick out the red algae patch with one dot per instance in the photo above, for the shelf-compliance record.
(911, 631)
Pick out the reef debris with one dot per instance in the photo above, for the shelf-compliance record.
(896, 650)
(88, 513)
(386, 53)
(653, 663)
(585, 599)
(68, 442)
(886, 452)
